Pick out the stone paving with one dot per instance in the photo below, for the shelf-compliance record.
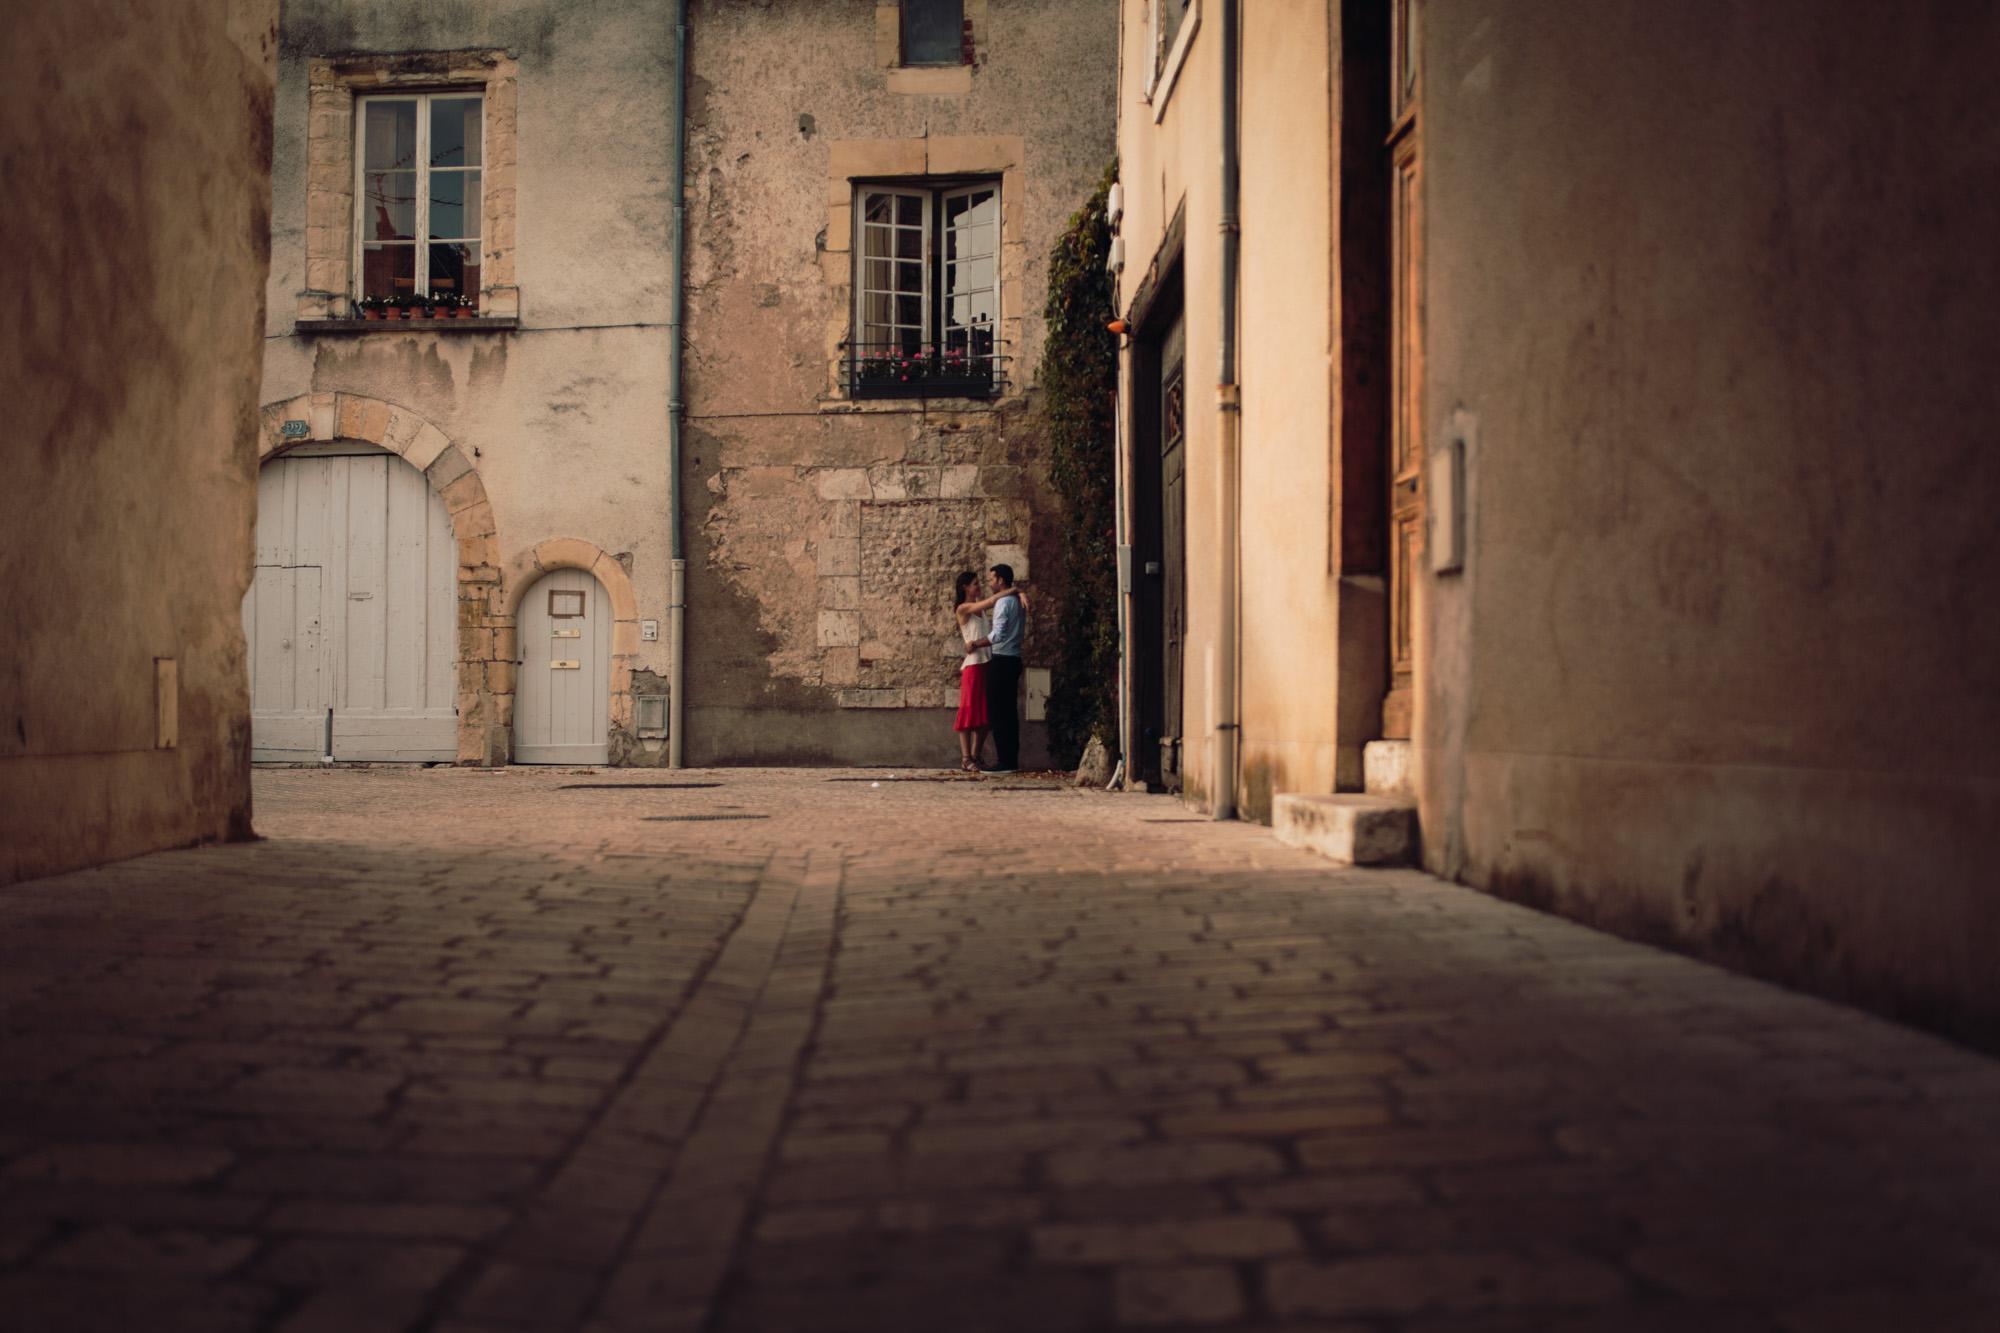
(468, 1052)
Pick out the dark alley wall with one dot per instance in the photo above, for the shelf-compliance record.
(135, 147)
(1710, 293)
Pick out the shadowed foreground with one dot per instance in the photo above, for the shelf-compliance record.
(463, 1051)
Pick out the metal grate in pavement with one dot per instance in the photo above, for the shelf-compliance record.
(634, 786)
(951, 777)
(689, 819)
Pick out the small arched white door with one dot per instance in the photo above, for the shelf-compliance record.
(562, 708)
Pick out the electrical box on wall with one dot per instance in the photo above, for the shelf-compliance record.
(1445, 503)
(166, 703)
(649, 631)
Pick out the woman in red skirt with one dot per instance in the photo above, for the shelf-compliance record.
(971, 724)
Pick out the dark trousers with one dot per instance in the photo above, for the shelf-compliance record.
(1003, 681)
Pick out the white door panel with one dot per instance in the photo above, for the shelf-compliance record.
(288, 668)
(379, 611)
(562, 711)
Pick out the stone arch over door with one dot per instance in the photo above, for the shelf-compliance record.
(485, 659)
(573, 553)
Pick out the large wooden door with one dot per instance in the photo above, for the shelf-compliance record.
(562, 713)
(1173, 550)
(350, 618)
(1406, 343)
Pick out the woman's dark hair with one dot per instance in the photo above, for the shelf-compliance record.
(958, 597)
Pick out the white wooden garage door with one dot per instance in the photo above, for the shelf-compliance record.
(350, 620)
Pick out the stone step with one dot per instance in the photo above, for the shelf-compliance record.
(1348, 827)
(1385, 768)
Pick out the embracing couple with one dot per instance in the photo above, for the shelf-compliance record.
(991, 672)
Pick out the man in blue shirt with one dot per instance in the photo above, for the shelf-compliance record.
(1003, 672)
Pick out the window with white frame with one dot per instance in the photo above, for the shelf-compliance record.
(926, 289)
(417, 198)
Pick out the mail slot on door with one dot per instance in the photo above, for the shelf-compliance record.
(565, 634)
(565, 664)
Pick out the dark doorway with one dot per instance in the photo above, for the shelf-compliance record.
(1171, 444)
(1159, 565)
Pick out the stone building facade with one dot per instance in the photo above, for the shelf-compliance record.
(513, 426)
(826, 523)
(1613, 442)
(136, 144)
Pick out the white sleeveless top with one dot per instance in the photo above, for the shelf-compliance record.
(975, 626)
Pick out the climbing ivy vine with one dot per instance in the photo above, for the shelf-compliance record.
(1079, 380)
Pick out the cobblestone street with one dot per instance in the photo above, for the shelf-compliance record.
(456, 1050)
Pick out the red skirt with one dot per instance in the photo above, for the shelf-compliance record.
(971, 698)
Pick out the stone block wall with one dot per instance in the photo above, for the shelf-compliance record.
(825, 532)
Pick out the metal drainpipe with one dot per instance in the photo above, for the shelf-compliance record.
(1229, 411)
(676, 313)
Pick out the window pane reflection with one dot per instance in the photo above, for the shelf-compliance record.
(455, 125)
(454, 269)
(390, 135)
(388, 270)
(389, 206)
(933, 32)
(454, 205)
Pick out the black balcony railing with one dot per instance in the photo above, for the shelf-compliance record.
(887, 370)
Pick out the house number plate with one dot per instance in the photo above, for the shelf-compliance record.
(565, 664)
(566, 634)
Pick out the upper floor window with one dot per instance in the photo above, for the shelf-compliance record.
(1173, 25)
(933, 32)
(417, 196)
(1403, 95)
(926, 290)
(1168, 15)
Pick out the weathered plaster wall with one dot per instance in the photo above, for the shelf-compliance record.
(1711, 287)
(134, 144)
(823, 534)
(1291, 608)
(1290, 597)
(564, 420)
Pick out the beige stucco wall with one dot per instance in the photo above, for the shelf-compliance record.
(564, 419)
(822, 533)
(1290, 594)
(1711, 287)
(136, 143)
